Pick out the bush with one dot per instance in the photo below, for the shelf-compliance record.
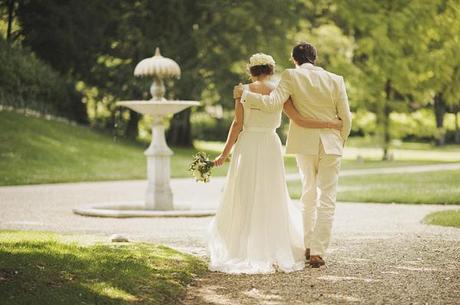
(364, 123)
(418, 125)
(28, 83)
(414, 126)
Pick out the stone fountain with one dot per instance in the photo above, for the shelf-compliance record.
(158, 197)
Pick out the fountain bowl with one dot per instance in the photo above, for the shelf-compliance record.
(137, 209)
(158, 108)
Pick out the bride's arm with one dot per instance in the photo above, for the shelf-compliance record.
(233, 133)
(292, 113)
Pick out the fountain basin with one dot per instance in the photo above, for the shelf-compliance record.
(137, 209)
(158, 108)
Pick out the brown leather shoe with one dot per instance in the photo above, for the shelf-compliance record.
(316, 261)
(307, 254)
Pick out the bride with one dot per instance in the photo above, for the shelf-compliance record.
(257, 229)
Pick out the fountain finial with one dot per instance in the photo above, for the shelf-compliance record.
(159, 67)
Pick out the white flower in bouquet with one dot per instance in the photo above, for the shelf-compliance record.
(197, 174)
(200, 167)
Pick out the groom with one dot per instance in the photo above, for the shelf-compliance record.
(318, 94)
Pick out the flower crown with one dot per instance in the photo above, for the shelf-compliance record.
(261, 59)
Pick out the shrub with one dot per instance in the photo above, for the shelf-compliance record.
(414, 126)
(28, 83)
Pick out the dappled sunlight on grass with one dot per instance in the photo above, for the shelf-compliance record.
(96, 273)
(105, 289)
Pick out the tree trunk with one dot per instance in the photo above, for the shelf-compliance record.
(386, 120)
(9, 29)
(179, 132)
(131, 127)
(439, 111)
(457, 129)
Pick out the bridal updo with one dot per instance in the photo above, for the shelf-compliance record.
(260, 64)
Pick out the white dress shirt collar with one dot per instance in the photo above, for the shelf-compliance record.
(310, 66)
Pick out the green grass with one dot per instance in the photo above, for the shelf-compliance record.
(449, 218)
(441, 187)
(34, 150)
(346, 164)
(369, 149)
(44, 268)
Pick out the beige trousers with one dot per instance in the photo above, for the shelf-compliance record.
(319, 175)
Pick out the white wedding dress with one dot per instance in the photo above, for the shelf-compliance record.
(257, 228)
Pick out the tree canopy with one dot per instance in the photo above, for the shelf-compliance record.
(397, 56)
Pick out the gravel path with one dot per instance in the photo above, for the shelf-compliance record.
(379, 254)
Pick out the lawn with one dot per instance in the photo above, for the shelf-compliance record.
(45, 268)
(449, 218)
(35, 150)
(440, 187)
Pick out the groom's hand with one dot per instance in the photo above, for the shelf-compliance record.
(337, 124)
(238, 91)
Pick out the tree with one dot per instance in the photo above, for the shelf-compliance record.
(68, 35)
(229, 32)
(210, 40)
(11, 7)
(443, 63)
(8, 21)
(391, 39)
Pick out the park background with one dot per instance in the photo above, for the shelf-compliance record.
(64, 65)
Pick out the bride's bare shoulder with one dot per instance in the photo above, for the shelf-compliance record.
(252, 87)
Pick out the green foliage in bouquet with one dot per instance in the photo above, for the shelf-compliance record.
(201, 167)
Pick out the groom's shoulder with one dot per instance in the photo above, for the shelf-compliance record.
(287, 72)
(336, 77)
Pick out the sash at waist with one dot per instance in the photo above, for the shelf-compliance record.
(259, 129)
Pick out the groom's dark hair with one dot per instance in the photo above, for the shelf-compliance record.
(304, 52)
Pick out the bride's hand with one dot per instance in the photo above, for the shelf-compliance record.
(219, 160)
(337, 124)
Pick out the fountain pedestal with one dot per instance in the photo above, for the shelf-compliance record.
(158, 195)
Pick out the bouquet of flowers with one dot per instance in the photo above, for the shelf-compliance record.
(201, 167)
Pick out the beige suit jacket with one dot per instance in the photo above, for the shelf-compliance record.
(317, 94)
